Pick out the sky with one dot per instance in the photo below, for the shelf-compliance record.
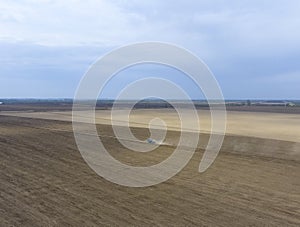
(252, 47)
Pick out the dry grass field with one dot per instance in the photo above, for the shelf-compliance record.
(254, 181)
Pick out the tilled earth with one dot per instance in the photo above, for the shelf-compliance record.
(44, 181)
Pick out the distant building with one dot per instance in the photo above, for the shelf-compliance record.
(291, 104)
(274, 103)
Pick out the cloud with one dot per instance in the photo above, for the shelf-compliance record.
(65, 23)
(241, 41)
(236, 23)
(283, 78)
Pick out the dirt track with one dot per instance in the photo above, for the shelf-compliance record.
(45, 182)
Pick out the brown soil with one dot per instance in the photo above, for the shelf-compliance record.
(45, 182)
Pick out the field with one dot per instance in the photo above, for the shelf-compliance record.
(253, 182)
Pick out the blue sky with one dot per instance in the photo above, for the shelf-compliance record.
(252, 47)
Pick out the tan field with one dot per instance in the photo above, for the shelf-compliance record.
(253, 182)
(278, 126)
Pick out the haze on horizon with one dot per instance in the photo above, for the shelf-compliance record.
(252, 47)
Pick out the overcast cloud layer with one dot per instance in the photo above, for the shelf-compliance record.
(252, 47)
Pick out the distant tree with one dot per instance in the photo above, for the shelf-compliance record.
(248, 103)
